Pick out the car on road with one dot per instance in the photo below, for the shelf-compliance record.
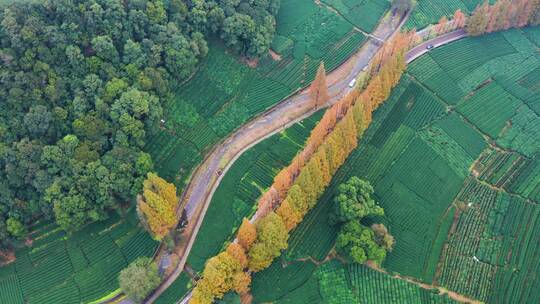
(429, 46)
(352, 83)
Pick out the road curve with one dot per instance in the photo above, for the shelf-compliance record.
(436, 42)
(205, 180)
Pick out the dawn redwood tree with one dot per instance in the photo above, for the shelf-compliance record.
(459, 19)
(442, 26)
(158, 206)
(247, 234)
(283, 181)
(272, 237)
(221, 274)
(237, 251)
(290, 216)
(319, 88)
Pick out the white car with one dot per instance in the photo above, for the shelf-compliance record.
(352, 83)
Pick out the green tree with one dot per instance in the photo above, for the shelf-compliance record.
(357, 243)
(139, 279)
(38, 120)
(15, 228)
(96, 73)
(354, 201)
(105, 49)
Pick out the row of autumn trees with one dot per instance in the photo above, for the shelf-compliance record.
(486, 18)
(82, 88)
(502, 15)
(297, 187)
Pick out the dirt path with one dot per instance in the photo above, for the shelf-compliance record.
(442, 291)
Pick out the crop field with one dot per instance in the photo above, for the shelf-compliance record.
(333, 282)
(492, 255)
(363, 14)
(428, 12)
(78, 268)
(407, 168)
(237, 194)
(426, 149)
(225, 92)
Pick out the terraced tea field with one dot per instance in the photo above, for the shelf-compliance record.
(226, 92)
(333, 282)
(78, 268)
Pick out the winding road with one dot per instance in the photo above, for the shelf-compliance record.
(208, 175)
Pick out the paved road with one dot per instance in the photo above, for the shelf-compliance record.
(435, 42)
(206, 179)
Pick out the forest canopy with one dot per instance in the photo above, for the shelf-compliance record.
(82, 86)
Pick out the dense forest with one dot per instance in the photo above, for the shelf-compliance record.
(82, 86)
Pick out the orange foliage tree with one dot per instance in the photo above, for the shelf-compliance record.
(459, 19)
(319, 88)
(246, 234)
(502, 15)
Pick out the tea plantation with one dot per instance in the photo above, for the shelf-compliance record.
(78, 268)
(333, 282)
(453, 157)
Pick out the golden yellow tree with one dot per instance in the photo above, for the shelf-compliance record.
(297, 200)
(238, 252)
(290, 217)
(221, 274)
(158, 206)
(271, 239)
(321, 160)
